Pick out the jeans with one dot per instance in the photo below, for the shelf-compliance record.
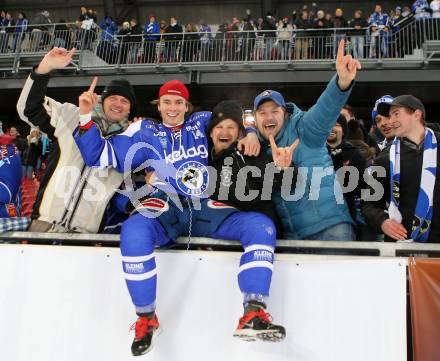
(339, 232)
(358, 46)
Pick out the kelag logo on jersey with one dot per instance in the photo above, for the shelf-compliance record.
(183, 153)
(192, 178)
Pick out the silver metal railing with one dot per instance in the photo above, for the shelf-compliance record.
(98, 49)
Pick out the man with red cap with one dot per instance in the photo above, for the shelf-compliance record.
(177, 151)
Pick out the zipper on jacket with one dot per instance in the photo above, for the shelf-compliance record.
(65, 219)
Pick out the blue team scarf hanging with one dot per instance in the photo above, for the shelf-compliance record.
(424, 207)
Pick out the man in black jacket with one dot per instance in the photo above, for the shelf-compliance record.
(233, 183)
(411, 165)
(345, 154)
(172, 39)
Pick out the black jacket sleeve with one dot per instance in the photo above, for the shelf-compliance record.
(374, 205)
(34, 109)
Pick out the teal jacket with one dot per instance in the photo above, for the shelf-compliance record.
(317, 202)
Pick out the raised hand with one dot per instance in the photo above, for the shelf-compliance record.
(346, 67)
(282, 157)
(57, 58)
(88, 99)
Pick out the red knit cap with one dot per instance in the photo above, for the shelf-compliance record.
(174, 87)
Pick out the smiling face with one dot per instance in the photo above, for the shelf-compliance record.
(336, 134)
(116, 108)
(404, 120)
(224, 134)
(269, 118)
(172, 109)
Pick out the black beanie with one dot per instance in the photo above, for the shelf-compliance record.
(120, 87)
(343, 123)
(227, 109)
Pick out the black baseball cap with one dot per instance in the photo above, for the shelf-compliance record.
(407, 101)
(226, 109)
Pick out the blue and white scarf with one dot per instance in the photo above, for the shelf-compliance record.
(424, 207)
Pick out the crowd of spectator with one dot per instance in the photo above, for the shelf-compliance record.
(310, 33)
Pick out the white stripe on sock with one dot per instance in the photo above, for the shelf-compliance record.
(254, 247)
(255, 264)
(141, 276)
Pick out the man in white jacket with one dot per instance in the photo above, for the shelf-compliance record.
(72, 196)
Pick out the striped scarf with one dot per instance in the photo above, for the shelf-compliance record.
(107, 128)
(424, 207)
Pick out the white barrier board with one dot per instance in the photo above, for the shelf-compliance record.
(71, 304)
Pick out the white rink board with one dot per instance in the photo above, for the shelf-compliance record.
(71, 304)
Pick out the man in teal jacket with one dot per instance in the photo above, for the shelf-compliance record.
(316, 210)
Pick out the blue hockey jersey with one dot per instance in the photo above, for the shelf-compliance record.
(179, 158)
(10, 180)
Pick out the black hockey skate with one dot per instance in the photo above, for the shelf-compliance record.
(257, 324)
(145, 330)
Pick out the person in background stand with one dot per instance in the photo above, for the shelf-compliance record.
(422, 13)
(19, 141)
(205, 36)
(151, 36)
(172, 40)
(106, 48)
(435, 8)
(20, 30)
(358, 133)
(134, 41)
(358, 34)
(347, 158)
(32, 154)
(381, 119)
(379, 27)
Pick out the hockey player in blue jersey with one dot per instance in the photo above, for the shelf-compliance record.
(177, 151)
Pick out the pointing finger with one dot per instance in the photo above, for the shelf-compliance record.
(272, 143)
(93, 85)
(340, 55)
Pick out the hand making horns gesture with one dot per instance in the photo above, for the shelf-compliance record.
(346, 67)
(88, 99)
(282, 157)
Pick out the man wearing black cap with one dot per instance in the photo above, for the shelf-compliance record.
(72, 197)
(411, 211)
